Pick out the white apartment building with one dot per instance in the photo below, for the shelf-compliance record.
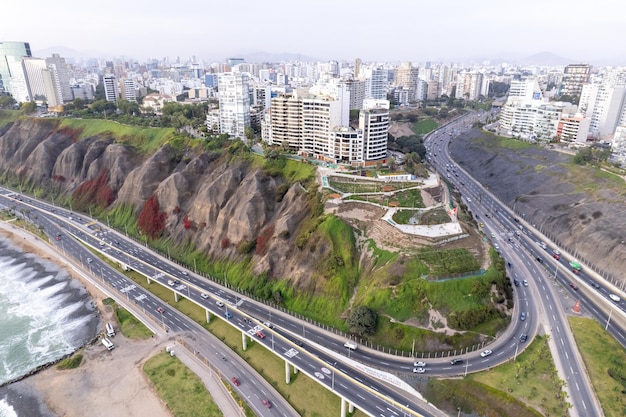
(234, 98)
(375, 83)
(317, 126)
(604, 105)
(18, 83)
(618, 146)
(34, 77)
(406, 77)
(62, 77)
(129, 90)
(374, 123)
(111, 88)
(573, 129)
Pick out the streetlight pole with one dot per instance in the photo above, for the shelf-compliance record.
(466, 365)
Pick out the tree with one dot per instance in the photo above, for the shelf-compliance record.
(7, 102)
(362, 321)
(28, 107)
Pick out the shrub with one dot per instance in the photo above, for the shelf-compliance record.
(152, 219)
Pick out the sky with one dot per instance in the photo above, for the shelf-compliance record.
(373, 30)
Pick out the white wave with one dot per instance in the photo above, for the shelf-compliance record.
(6, 410)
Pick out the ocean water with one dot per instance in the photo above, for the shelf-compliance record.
(44, 315)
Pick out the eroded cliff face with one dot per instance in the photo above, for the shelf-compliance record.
(579, 210)
(216, 205)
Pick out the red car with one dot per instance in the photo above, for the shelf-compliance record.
(260, 335)
(160, 310)
(267, 403)
(574, 286)
(235, 381)
(555, 256)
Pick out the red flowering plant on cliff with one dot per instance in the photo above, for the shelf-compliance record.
(151, 219)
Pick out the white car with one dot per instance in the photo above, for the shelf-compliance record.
(525, 283)
(614, 298)
(486, 353)
(419, 370)
(219, 304)
(419, 364)
(204, 295)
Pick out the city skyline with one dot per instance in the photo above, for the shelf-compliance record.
(394, 31)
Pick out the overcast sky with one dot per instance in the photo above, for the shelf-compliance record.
(373, 30)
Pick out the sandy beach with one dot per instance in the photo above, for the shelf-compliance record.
(107, 383)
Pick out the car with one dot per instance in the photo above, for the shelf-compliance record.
(247, 320)
(496, 246)
(469, 200)
(539, 259)
(522, 316)
(516, 282)
(185, 273)
(509, 265)
(555, 256)
(525, 283)
(101, 243)
(235, 381)
(595, 284)
(419, 370)
(89, 260)
(419, 364)
(267, 403)
(456, 361)
(574, 286)
(160, 310)
(523, 337)
(486, 353)
(298, 342)
(614, 298)
(228, 315)
(204, 295)
(260, 335)
(268, 324)
(58, 236)
(219, 304)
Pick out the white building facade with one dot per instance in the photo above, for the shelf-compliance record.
(234, 98)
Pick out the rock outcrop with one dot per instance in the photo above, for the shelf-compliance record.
(216, 205)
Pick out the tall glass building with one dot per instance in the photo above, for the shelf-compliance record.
(15, 50)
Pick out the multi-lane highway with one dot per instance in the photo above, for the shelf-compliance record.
(540, 272)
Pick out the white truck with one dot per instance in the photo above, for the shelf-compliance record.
(110, 330)
(107, 343)
(350, 345)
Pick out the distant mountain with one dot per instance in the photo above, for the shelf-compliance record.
(273, 57)
(547, 59)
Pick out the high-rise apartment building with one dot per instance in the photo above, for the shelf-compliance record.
(374, 123)
(129, 90)
(574, 77)
(34, 77)
(9, 50)
(603, 104)
(111, 88)
(234, 98)
(406, 77)
(618, 146)
(316, 125)
(62, 76)
(375, 83)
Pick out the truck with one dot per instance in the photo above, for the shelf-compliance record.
(110, 330)
(350, 345)
(107, 343)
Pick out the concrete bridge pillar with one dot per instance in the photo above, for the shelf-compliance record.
(244, 341)
(287, 373)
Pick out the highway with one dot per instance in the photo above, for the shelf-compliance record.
(529, 258)
(76, 233)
